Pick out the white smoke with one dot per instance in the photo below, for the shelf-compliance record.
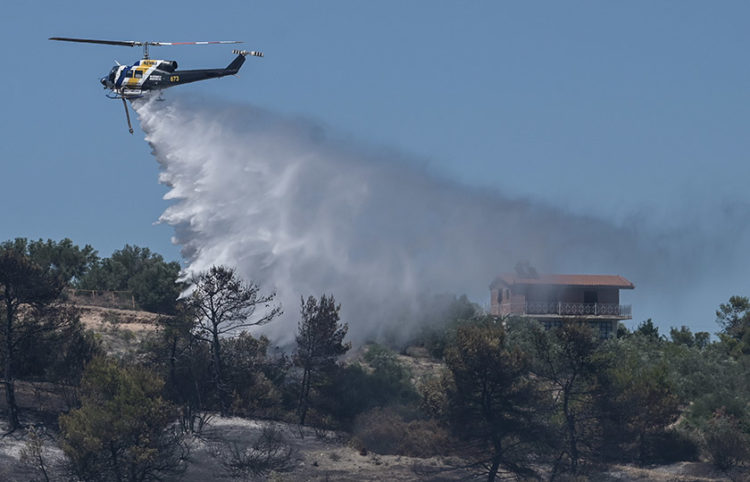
(303, 214)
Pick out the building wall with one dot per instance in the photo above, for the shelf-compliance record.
(495, 301)
(565, 294)
(507, 300)
(609, 296)
(500, 305)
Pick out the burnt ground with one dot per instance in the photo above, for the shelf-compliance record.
(306, 454)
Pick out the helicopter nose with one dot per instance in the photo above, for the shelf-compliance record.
(103, 81)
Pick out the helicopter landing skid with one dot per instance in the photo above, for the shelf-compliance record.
(127, 114)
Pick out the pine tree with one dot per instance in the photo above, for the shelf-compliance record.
(27, 291)
(493, 404)
(224, 305)
(122, 430)
(320, 341)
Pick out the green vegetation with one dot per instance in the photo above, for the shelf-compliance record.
(492, 401)
(32, 318)
(568, 361)
(320, 341)
(123, 428)
(734, 318)
(504, 396)
(222, 304)
(152, 280)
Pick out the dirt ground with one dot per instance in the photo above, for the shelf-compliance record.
(95, 318)
(312, 455)
(325, 456)
(677, 472)
(317, 456)
(118, 330)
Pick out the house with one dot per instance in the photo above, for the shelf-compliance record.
(554, 299)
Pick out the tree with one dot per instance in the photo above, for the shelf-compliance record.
(27, 292)
(58, 353)
(734, 318)
(224, 304)
(684, 336)
(638, 397)
(648, 330)
(152, 280)
(438, 321)
(567, 358)
(493, 404)
(254, 376)
(69, 260)
(123, 428)
(184, 362)
(320, 341)
(717, 385)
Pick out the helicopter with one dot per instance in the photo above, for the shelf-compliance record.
(128, 82)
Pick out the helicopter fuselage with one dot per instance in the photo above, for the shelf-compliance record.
(132, 81)
(128, 82)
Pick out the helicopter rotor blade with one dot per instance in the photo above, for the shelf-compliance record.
(198, 43)
(126, 43)
(133, 43)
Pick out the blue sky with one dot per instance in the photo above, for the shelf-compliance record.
(619, 110)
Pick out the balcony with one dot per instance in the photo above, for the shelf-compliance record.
(559, 308)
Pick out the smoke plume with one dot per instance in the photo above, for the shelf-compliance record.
(303, 214)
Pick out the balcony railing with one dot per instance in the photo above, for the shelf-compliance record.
(566, 309)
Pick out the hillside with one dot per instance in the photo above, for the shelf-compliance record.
(118, 330)
(303, 453)
(318, 456)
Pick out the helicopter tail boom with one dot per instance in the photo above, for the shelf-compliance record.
(234, 67)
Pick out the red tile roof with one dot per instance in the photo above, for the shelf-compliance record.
(612, 281)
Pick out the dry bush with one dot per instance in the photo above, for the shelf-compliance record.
(269, 452)
(433, 392)
(726, 444)
(193, 421)
(34, 456)
(386, 432)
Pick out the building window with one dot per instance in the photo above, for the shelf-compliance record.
(590, 297)
(605, 329)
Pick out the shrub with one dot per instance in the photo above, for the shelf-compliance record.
(250, 460)
(260, 397)
(385, 431)
(434, 396)
(726, 444)
(123, 428)
(438, 322)
(671, 446)
(392, 381)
